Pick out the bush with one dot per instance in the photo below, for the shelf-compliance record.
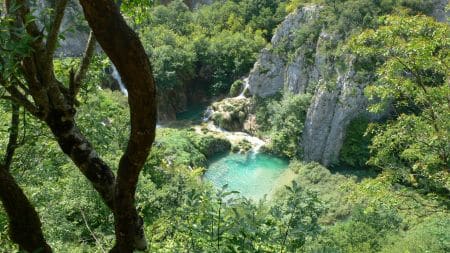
(432, 235)
(210, 145)
(355, 149)
(366, 231)
(283, 122)
(332, 189)
(236, 88)
(182, 148)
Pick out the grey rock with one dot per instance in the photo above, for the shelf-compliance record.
(74, 28)
(331, 111)
(337, 98)
(439, 11)
(269, 72)
(267, 76)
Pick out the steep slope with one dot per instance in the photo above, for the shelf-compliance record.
(299, 60)
(337, 97)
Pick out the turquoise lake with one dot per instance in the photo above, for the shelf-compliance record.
(253, 175)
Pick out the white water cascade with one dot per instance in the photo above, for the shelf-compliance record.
(246, 86)
(115, 74)
(234, 137)
(207, 114)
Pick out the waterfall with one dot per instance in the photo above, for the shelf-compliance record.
(235, 137)
(208, 114)
(115, 74)
(246, 86)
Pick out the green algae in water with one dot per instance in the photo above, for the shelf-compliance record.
(253, 175)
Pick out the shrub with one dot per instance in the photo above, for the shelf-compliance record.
(236, 88)
(355, 149)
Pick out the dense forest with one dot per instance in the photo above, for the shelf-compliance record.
(225, 126)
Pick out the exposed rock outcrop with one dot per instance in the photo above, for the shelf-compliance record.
(338, 91)
(337, 99)
(328, 116)
(270, 71)
(439, 11)
(231, 113)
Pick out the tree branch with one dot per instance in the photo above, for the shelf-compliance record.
(123, 47)
(52, 37)
(13, 135)
(30, 25)
(22, 100)
(80, 75)
(23, 220)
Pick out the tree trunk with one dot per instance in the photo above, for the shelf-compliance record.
(24, 223)
(75, 145)
(125, 50)
(53, 103)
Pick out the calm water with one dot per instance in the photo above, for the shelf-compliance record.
(253, 175)
(193, 113)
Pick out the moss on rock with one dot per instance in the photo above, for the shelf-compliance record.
(236, 88)
(179, 147)
(211, 145)
(230, 114)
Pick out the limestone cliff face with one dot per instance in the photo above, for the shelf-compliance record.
(440, 12)
(337, 99)
(337, 92)
(328, 116)
(270, 71)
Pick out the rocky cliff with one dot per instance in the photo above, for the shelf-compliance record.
(273, 68)
(337, 97)
(309, 67)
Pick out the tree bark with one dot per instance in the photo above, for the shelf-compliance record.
(54, 103)
(23, 221)
(13, 135)
(24, 224)
(125, 50)
(75, 145)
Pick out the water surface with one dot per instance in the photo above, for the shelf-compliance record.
(193, 113)
(253, 175)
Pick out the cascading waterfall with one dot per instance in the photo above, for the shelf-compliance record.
(246, 87)
(115, 74)
(207, 114)
(235, 137)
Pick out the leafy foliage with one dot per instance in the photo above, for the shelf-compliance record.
(355, 149)
(322, 210)
(413, 58)
(215, 44)
(283, 121)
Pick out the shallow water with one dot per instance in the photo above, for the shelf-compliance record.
(253, 175)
